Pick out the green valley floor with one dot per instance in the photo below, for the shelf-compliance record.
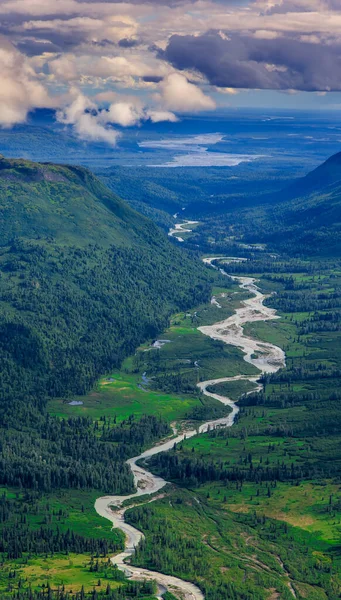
(253, 512)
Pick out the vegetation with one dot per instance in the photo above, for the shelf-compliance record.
(276, 470)
(255, 513)
(82, 285)
(161, 193)
(302, 219)
(164, 383)
(233, 554)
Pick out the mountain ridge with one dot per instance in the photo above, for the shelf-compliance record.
(64, 202)
(84, 279)
(302, 218)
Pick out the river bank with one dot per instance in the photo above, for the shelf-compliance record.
(267, 358)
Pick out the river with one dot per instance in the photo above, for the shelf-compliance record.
(181, 228)
(268, 358)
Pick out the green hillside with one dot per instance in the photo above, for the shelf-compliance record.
(304, 218)
(309, 211)
(66, 203)
(84, 279)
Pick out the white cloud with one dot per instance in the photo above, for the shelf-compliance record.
(120, 68)
(77, 42)
(63, 68)
(106, 97)
(156, 116)
(20, 90)
(125, 114)
(86, 123)
(90, 122)
(178, 94)
(112, 28)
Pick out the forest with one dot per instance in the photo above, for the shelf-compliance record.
(77, 305)
(84, 280)
(278, 465)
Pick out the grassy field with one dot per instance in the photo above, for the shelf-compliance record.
(306, 505)
(121, 394)
(71, 572)
(293, 426)
(231, 554)
(163, 381)
(265, 539)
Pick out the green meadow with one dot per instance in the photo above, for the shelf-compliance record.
(71, 572)
(172, 371)
(232, 553)
(235, 534)
(271, 480)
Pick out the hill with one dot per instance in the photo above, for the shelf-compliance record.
(66, 203)
(84, 279)
(308, 213)
(304, 218)
(325, 176)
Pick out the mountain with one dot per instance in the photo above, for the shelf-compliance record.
(310, 215)
(303, 218)
(66, 203)
(83, 279)
(324, 178)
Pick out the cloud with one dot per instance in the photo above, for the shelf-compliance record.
(128, 112)
(64, 68)
(20, 90)
(92, 123)
(128, 43)
(288, 6)
(123, 69)
(125, 114)
(78, 29)
(48, 7)
(178, 94)
(171, 46)
(156, 116)
(86, 123)
(246, 61)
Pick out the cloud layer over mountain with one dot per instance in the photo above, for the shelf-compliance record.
(159, 58)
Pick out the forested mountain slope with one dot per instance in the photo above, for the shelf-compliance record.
(304, 218)
(324, 178)
(84, 279)
(66, 203)
(310, 215)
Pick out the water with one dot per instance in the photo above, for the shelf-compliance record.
(270, 358)
(280, 140)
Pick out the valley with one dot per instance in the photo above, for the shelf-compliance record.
(170, 300)
(270, 472)
(220, 510)
(271, 360)
(238, 497)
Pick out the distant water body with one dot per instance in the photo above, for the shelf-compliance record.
(234, 139)
(194, 151)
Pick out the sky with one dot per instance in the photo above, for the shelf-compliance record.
(103, 65)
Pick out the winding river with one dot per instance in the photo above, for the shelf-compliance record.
(266, 357)
(181, 228)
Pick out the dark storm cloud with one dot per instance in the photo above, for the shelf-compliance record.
(152, 79)
(36, 47)
(102, 43)
(248, 62)
(63, 41)
(128, 43)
